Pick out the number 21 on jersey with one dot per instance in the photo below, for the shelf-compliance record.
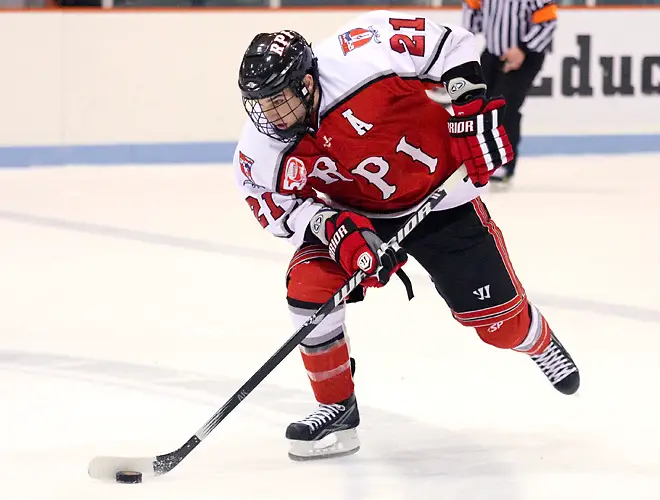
(255, 205)
(402, 42)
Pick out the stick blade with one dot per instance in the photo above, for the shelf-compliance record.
(106, 468)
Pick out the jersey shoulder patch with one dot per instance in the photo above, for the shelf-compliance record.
(362, 31)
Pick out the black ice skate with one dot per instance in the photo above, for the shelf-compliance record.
(558, 366)
(331, 430)
(500, 180)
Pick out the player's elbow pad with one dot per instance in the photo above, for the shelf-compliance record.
(316, 231)
(465, 82)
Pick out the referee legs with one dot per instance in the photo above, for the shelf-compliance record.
(513, 86)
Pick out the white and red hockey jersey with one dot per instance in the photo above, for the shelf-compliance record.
(382, 144)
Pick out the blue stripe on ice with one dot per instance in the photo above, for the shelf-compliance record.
(222, 152)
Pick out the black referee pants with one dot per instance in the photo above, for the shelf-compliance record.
(513, 86)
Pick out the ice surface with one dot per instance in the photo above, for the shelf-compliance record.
(135, 300)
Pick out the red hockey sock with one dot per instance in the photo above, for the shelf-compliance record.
(329, 371)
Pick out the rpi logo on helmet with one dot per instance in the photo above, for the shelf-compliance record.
(356, 38)
(295, 174)
(281, 42)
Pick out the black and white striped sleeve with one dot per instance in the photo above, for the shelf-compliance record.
(472, 19)
(542, 23)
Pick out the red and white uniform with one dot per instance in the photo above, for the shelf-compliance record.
(382, 144)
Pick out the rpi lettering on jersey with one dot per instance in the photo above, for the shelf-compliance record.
(374, 168)
(281, 42)
(416, 154)
(376, 178)
(326, 170)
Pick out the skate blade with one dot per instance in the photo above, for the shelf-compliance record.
(338, 444)
(310, 458)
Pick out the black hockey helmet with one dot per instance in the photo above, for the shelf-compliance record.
(272, 63)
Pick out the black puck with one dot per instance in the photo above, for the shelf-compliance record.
(128, 476)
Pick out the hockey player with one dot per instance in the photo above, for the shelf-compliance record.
(341, 144)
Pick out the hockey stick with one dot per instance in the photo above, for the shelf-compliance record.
(104, 467)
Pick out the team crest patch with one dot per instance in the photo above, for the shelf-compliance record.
(356, 38)
(295, 174)
(245, 162)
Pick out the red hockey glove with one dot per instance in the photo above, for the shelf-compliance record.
(353, 244)
(478, 137)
